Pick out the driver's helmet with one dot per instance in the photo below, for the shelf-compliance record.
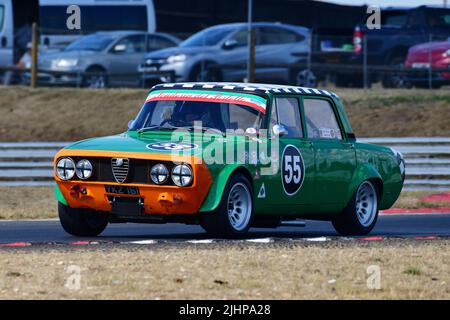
(191, 112)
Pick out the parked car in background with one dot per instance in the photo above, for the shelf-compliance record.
(422, 57)
(220, 53)
(101, 59)
(401, 28)
(17, 16)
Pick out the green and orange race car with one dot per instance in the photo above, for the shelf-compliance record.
(229, 156)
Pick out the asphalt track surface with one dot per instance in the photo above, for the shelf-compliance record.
(50, 231)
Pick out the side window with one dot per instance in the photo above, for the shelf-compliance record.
(157, 43)
(277, 36)
(241, 38)
(286, 111)
(321, 121)
(2, 14)
(133, 44)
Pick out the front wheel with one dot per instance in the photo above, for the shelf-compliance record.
(81, 222)
(233, 216)
(361, 213)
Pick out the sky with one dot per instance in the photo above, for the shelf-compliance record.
(385, 3)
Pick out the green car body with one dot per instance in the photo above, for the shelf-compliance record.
(309, 177)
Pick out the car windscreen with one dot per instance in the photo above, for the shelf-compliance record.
(208, 37)
(94, 18)
(2, 14)
(189, 114)
(93, 42)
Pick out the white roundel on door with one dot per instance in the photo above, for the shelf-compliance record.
(292, 170)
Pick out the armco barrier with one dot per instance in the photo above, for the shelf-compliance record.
(427, 162)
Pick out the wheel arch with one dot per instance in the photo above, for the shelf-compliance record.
(59, 196)
(365, 172)
(198, 64)
(96, 66)
(216, 191)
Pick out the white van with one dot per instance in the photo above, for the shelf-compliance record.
(16, 17)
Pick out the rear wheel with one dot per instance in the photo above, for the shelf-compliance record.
(233, 216)
(81, 222)
(361, 213)
(397, 79)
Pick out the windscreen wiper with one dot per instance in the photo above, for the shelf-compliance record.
(151, 128)
(207, 129)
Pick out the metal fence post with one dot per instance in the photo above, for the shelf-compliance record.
(365, 75)
(430, 72)
(34, 55)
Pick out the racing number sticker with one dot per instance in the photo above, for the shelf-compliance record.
(171, 146)
(292, 170)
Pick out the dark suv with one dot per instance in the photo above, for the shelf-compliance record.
(401, 28)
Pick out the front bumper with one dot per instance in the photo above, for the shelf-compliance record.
(156, 199)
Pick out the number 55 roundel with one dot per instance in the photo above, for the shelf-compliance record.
(292, 170)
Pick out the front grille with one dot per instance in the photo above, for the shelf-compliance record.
(138, 170)
(120, 168)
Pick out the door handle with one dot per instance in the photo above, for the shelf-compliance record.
(348, 145)
(4, 41)
(307, 144)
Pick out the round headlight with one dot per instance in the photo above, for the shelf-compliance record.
(182, 175)
(65, 169)
(84, 169)
(159, 173)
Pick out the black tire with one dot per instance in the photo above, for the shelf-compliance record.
(396, 80)
(95, 78)
(306, 78)
(219, 222)
(206, 72)
(348, 223)
(82, 222)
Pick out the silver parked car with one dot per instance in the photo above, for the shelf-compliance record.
(219, 53)
(101, 59)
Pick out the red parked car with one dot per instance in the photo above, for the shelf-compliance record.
(421, 57)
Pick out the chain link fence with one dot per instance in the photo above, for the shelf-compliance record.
(118, 59)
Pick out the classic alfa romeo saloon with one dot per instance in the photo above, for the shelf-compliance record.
(229, 156)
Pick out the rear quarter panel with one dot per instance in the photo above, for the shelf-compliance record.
(378, 163)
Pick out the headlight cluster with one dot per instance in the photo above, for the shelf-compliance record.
(66, 169)
(181, 174)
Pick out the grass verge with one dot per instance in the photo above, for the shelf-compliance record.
(81, 113)
(408, 269)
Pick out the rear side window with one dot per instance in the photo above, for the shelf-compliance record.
(394, 18)
(94, 18)
(321, 121)
(2, 17)
(286, 111)
(277, 36)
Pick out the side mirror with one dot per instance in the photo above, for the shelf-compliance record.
(279, 130)
(119, 48)
(230, 44)
(130, 124)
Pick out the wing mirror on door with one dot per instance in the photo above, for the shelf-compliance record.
(119, 48)
(279, 130)
(230, 44)
(130, 124)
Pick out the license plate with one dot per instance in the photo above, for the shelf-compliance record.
(421, 65)
(132, 191)
(127, 207)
